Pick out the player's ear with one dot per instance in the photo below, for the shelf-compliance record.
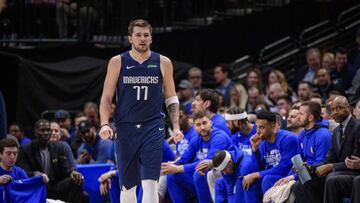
(207, 103)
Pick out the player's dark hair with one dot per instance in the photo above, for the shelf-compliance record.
(266, 115)
(212, 96)
(7, 143)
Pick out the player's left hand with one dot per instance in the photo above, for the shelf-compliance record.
(204, 166)
(77, 177)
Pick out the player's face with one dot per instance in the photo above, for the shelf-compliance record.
(229, 169)
(303, 116)
(183, 121)
(55, 132)
(203, 126)
(9, 156)
(197, 105)
(292, 120)
(264, 128)
(141, 39)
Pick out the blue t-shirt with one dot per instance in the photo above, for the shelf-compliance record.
(184, 143)
(139, 90)
(200, 149)
(26, 190)
(276, 157)
(99, 150)
(16, 173)
(243, 141)
(220, 123)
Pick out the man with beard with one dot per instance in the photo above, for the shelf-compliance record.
(273, 149)
(241, 132)
(314, 140)
(41, 156)
(93, 149)
(324, 84)
(241, 129)
(344, 143)
(187, 176)
(304, 91)
(293, 123)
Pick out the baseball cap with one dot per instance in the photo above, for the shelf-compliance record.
(185, 84)
(85, 125)
(61, 114)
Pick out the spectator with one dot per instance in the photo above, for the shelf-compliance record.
(275, 92)
(313, 63)
(238, 96)
(316, 97)
(185, 92)
(41, 156)
(195, 77)
(328, 61)
(9, 173)
(276, 76)
(8, 157)
(91, 111)
(304, 91)
(93, 149)
(63, 118)
(324, 84)
(56, 137)
(255, 99)
(76, 140)
(344, 72)
(254, 79)
(284, 104)
(222, 77)
(273, 149)
(17, 130)
(293, 123)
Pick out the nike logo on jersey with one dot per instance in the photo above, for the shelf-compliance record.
(129, 67)
(160, 129)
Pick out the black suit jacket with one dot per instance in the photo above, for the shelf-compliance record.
(349, 146)
(30, 160)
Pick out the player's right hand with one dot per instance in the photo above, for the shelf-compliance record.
(255, 140)
(106, 132)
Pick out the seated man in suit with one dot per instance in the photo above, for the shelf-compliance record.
(42, 156)
(344, 143)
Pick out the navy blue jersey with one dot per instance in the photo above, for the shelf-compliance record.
(139, 90)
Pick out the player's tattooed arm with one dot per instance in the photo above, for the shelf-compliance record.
(173, 111)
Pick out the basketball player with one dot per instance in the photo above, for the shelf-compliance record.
(139, 77)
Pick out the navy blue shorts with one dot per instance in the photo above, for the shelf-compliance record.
(139, 148)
